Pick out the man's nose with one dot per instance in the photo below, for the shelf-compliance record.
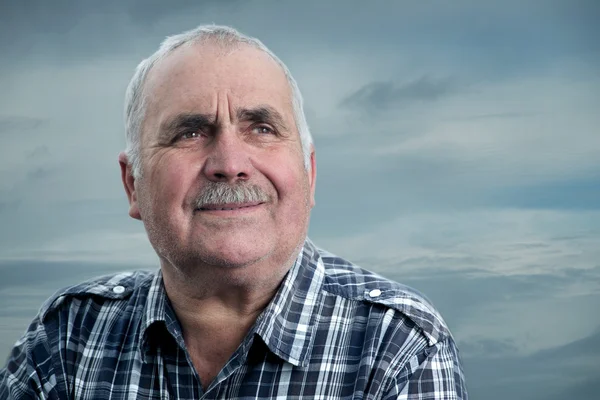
(228, 158)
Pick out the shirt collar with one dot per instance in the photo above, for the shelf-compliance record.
(287, 325)
(158, 313)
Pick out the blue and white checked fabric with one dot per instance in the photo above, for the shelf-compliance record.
(332, 331)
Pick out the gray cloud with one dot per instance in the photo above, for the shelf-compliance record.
(148, 13)
(493, 116)
(32, 273)
(582, 193)
(389, 184)
(386, 185)
(68, 31)
(458, 292)
(584, 388)
(41, 173)
(9, 207)
(38, 220)
(489, 348)
(568, 371)
(39, 152)
(376, 96)
(14, 125)
(62, 15)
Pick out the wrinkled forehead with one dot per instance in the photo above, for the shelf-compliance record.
(196, 77)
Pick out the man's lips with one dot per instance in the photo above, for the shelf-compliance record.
(228, 207)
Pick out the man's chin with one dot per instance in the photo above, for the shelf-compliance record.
(234, 258)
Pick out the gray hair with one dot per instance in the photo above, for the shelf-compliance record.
(135, 97)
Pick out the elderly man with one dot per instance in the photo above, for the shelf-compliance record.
(220, 167)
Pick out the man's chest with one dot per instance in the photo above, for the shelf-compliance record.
(172, 376)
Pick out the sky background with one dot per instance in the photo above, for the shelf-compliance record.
(457, 147)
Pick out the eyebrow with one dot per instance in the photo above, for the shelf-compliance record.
(262, 113)
(180, 122)
(185, 121)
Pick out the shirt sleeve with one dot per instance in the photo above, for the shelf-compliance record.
(28, 373)
(433, 374)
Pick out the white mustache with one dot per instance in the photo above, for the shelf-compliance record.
(224, 193)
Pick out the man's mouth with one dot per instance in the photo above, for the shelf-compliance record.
(227, 207)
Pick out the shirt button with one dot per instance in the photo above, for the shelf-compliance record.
(375, 293)
(118, 289)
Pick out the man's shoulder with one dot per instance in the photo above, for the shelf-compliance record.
(114, 287)
(346, 279)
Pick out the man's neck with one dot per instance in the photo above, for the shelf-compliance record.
(220, 306)
(217, 310)
(214, 327)
(209, 293)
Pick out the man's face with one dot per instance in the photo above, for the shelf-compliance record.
(221, 117)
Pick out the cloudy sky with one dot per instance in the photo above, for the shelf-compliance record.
(457, 144)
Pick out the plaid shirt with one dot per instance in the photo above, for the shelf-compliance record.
(332, 331)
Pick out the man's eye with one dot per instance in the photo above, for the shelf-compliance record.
(190, 135)
(263, 130)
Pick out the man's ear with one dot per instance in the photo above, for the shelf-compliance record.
(312, 175)
(129, 185)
